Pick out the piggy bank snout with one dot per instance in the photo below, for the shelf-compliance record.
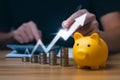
(81, 54)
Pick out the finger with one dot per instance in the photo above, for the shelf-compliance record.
(90, 28)
(94, 27)
(23, 31)
(67, 23)
(25, 36)
(28, 32)
(17, 37)
(34, 30)
(89, 18)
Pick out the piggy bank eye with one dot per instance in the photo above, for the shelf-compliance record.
(88, 45)
(77, 44)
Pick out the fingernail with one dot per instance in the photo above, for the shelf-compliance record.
(65, 24)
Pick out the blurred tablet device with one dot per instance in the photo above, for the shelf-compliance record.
(19, 50)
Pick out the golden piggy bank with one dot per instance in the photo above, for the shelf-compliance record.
(90, 51)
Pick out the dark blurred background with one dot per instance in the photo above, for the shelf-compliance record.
(47, 14)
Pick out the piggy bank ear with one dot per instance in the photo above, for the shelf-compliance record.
(96, 37)
(77, 35)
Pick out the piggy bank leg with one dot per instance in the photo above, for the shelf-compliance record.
(103, 65)
(94, 67)
(79, 67)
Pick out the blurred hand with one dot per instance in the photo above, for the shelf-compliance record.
(90, 25)
(27, 32)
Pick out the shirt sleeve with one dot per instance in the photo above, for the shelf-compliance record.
(101, 7)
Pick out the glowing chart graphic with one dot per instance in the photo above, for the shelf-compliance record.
(65, 34)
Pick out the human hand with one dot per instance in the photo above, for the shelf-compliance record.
(90, 24)
(27, 32)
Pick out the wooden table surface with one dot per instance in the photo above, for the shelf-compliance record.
(15, 69)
